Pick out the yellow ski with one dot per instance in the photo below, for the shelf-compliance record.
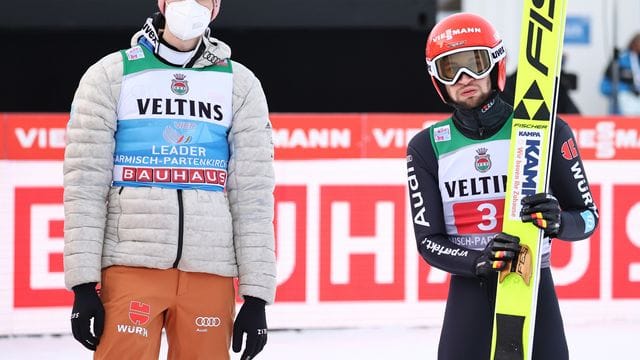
(542, 32)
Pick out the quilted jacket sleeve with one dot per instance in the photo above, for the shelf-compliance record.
(88, 165)
(250, 187)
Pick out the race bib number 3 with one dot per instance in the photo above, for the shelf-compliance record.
(479, 217)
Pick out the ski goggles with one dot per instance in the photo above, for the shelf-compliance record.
(476, 62)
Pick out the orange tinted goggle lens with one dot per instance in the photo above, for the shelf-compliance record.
(477, 61)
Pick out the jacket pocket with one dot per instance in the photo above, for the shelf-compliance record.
(114, 212)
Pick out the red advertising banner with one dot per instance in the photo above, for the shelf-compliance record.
(34, 136)
(331, 136)
(344, 136)
(343, 228)
(26, 258)
(626, 247)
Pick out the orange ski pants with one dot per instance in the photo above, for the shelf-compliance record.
(195, 309)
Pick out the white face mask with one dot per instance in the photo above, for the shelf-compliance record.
(187, 19)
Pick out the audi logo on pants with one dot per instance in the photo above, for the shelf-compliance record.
(208, 321)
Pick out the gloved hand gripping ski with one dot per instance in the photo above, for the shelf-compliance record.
(543, 210)
(497, 255)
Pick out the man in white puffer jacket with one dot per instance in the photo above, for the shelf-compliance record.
(168, 179)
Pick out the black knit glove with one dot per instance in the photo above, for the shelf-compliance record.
(87, 305)
(252, 320)
(497, 254)
(543, 210)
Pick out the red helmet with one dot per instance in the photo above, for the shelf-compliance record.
(465, 43)
(214, 13)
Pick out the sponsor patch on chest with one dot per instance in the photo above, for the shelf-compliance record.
(135, 53)
(442, 133)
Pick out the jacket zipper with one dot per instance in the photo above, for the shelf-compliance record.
(480, 127)
(180, 228)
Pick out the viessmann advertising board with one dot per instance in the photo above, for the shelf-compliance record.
(345, 245)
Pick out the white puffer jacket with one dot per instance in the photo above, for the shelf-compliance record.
(226, 233)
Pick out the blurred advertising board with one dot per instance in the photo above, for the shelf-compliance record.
(346, 251)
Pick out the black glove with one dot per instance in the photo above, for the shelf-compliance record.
(543, 210)
(252, 320)
(497, 254)
(87, 305)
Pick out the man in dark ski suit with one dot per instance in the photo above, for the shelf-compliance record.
(457, 172)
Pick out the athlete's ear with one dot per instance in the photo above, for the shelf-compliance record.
(161, 6)
(216, 9)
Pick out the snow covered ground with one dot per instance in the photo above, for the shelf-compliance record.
(607, 339)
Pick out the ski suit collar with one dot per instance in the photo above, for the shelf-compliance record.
(485, 120)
